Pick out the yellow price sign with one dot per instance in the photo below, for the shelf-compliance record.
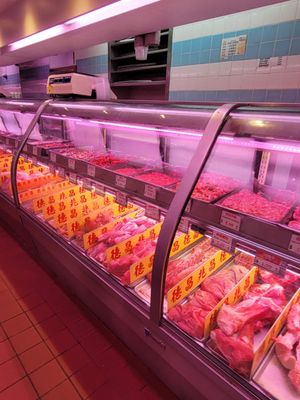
(194, 279)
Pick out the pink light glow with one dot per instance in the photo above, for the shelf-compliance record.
(109, 11)
(38, 37)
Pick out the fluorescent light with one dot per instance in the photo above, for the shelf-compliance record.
(38, 37)
(109, 11)
(101, 14)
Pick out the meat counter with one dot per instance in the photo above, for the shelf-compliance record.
(177, 224)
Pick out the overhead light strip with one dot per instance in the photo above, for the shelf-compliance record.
(101, 14)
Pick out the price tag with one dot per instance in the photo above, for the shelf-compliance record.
(71, 163)
(25, 148)
(99, 188)
(150, 192)
(230, 220)
(188, 206)
(91, 170)
(61, 172)
(270, 262)
(35, 151)
(86, 183)
(121, 181)
(121, 198)
(53, 157)
(73, 177)
(294, 245)
(223, 242)
(184, 225)
(51, 169)
(152, 212)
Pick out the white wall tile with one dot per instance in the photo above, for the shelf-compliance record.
(293, 63)
(287, 10)
(203, 69)
(271, 14)
(93, 51)
(256, 18)
(297, 15)
(237, 67)
(214, 69)
(225, 68)
(235, 82)
(250, 66)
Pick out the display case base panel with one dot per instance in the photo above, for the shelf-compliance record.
(188, 376)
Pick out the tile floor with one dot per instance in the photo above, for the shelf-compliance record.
(52, 348)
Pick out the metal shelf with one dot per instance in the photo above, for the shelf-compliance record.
(132, 55)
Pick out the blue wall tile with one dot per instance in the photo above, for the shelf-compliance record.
(274, 95)
(254, 35)
(229, 34)
(194, 58)
(252, 51)
(196, 45)
(176, 59)
(204, 57)
(176, 48)
(289, 95)
(295, 46)
(297, 29)
(282, 48)
(259, 95)
(214, 56)
(206, 43)
(285, 30)
(186, 46)
(269, 33)
(266, 50)
(216, 42)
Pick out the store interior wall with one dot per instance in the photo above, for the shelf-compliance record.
(268, 70)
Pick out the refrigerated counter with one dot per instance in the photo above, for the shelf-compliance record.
(178, 224)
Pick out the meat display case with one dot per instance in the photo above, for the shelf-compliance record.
(178, 224)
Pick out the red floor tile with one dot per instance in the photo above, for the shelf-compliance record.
(35, 357)
(111, 360)
(64, 391)
(81, 328)
(16, 325)
(40, 313)
(73, 360)
(6, 297)
(3, 335)
(61, 342)
(31, 301)
(50, 327)
(22, 390)
(95, 342)
(6, 351)
(47, 377)
(157, 393)
(10, 372)
(88, 380)
(9, 311)
(25, 340)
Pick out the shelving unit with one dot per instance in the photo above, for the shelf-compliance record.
(146, 79)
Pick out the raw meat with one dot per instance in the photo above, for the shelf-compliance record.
(238, 323)
(125, 229)
(103, 217)
(179, 268)
(257, 205)
(287, 346)
(77, 153)
(212, 186)
(238, 349)
(289, 282)
(220, 284)
(107, 160)
(190, 315)
(130, 171)
(119, 266)
(295, 222)
(158, 178)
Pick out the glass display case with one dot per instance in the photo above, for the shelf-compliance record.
(189, 213)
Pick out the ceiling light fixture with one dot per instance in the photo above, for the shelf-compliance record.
(101, 14)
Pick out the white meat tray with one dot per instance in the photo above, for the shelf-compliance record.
(273, 378)
(143, 291)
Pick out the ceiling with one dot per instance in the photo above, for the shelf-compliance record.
(158, 15)
(4, 4)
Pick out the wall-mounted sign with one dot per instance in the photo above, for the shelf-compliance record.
(233, 46)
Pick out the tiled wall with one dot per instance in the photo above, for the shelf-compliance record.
(199, 73)
(10, 80)
(93, 60)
